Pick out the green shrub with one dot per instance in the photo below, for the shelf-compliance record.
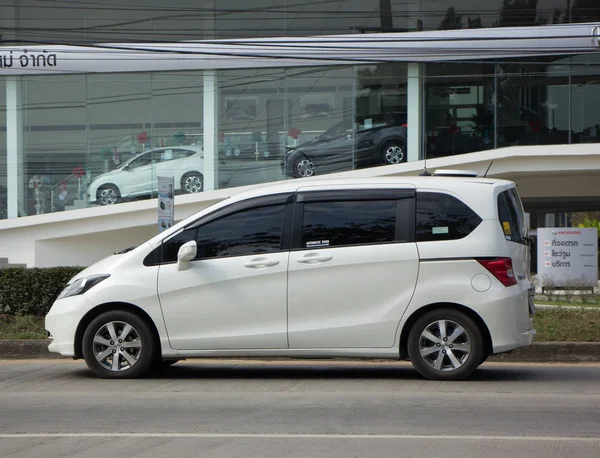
(32, 291)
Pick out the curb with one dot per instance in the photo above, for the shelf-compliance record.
(538, 352)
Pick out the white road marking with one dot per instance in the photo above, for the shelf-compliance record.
(303, 436)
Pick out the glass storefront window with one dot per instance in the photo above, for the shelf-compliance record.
(54, 143)
(459, 108)
(585, 98)
(3, 151)
(251, 121)
(533, 103)
(320, 136)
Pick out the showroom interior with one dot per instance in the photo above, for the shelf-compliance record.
(61, 129)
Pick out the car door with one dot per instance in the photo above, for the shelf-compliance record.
(137, 176)
(353, 267)
(234, 294)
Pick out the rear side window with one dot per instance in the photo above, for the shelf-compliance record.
(512, 216)
(443, 217)
(334, 224)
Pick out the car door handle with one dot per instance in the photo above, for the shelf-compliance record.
(260, 262)
(314, 258)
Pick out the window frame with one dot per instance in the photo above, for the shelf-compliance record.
(157, 256)
(405, 212)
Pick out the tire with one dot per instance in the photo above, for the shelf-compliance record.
(393, 152)
(302, 167)
(443, 341)
(134, 357)
(108, 194)
(192, 182)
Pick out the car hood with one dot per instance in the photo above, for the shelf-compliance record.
(320, 144)
(107, 174)
(104, 266)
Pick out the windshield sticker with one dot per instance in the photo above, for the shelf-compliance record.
(440, 230)
(506, 227)
(314, 243)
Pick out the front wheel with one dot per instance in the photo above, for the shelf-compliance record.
(445, 344)
(119, 344)
(108, 195)
(302, 167)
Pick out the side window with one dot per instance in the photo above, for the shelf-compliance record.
(334, 224)
(252, 231)
(182, 153)
(511, 216)
(443, 217)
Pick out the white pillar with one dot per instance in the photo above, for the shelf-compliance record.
(210, 128)
(15, 184)
(415, 102)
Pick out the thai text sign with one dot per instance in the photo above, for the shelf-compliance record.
(568, 257)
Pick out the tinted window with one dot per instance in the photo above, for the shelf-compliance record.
(257, 230)
(443, 217)
(512, 216)
(348, 223)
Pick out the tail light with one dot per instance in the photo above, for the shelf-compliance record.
(501, 268)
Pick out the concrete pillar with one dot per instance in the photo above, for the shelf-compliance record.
(210, 129)
(415, 103)
(15, 180)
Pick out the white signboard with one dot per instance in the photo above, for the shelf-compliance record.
(568, 257)
(166, 203)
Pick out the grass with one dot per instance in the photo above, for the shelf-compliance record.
(559, 324)
(563, 324)
(569, 303)
(21, 327)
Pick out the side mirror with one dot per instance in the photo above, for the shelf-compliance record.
(186, 253)
(125, 167)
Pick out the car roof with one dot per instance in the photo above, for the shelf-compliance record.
(476, 192)
(420, 183)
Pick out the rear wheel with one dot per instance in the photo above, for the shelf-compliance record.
(192, 182)
(445, 344)
(119, 344)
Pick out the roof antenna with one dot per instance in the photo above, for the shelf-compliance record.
(425, 172)
(488, 169)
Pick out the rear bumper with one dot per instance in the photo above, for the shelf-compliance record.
(508, 319)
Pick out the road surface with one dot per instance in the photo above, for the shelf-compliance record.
(56, 408)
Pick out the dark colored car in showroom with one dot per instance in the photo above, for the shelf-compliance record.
(373, 140)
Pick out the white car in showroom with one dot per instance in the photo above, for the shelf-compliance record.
(138, 176)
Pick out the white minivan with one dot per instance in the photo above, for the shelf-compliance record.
(432, 269)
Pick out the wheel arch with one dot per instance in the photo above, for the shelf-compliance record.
(485, 332)
(105, 185)
(111, 306)
(390, 139)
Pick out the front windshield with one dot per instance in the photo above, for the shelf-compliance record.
(338, 130)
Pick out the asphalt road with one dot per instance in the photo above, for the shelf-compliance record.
(56, 408)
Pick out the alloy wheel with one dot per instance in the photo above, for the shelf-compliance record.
(192, 184)
(394, 154)
(117, 346)
(108, 196)
(305, 168)
(444, 345)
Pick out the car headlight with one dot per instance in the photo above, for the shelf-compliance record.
(81, 285)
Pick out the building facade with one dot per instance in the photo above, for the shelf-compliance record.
(268, 90)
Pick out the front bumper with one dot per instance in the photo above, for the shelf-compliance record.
(62, 321)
